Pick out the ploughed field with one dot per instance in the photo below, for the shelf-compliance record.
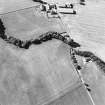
(88, 29)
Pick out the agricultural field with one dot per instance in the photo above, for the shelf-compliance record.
(88, 29)
(45, 74)
(39, 74)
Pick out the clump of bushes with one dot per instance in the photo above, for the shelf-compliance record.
(2, 28)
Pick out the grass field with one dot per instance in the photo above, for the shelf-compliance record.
(43, 72)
